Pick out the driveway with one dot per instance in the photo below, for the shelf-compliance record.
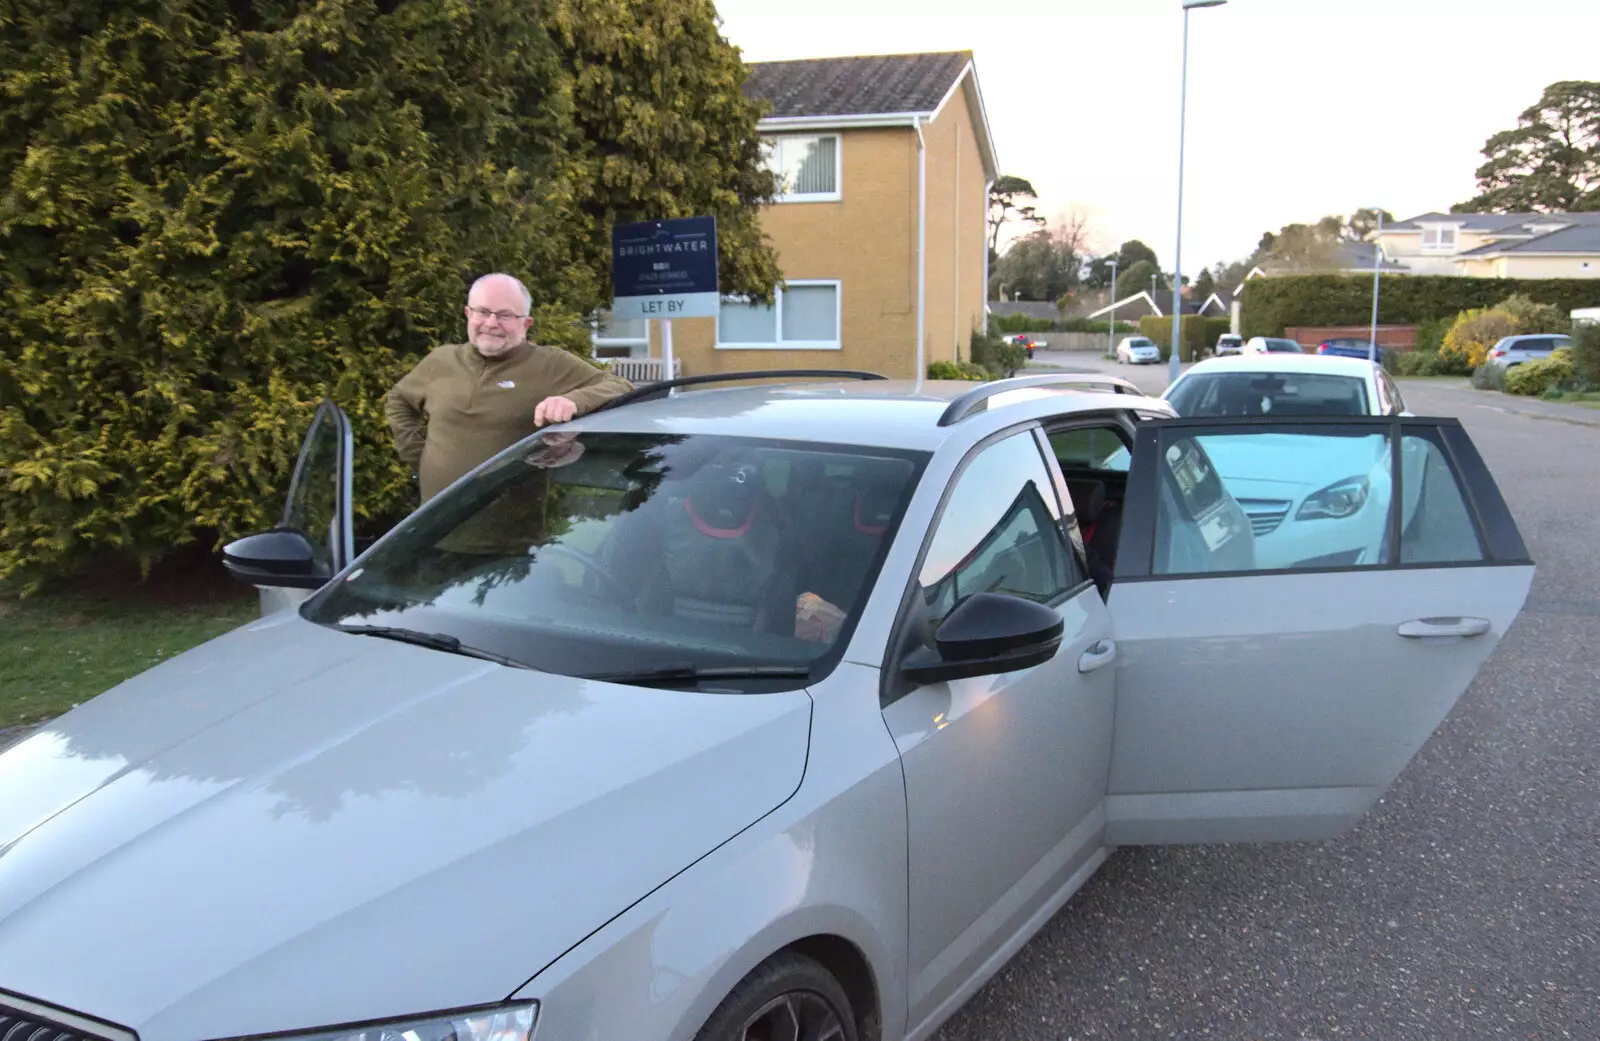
(1466, 905)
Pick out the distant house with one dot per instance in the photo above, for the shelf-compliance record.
(881, 227)
(1497, 245)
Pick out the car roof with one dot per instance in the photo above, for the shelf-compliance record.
(1357, 367)
(902, 414)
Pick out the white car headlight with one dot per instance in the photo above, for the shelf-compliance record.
(1340, 499)
(505, 1023)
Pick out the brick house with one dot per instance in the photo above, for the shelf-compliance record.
(886, 163)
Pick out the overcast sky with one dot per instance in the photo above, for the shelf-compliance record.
(1297, 108)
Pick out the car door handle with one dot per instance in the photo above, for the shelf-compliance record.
(1098, 656)
(1434, 627)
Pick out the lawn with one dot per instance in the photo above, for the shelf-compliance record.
(58, 649)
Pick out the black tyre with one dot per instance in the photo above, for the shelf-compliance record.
(788, 997)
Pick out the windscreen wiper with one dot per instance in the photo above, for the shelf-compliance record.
(693, 673)
(436, 641)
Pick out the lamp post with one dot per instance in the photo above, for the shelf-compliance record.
(1177, 253)
(1111, 323)
(1377, 264)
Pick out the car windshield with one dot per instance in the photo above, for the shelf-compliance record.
(1283, 347)
(1269, 393)
(602, 554)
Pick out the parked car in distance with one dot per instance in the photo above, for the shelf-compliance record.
(775, 711)
(1514, 350)
(1348, 347)
(1229, 343)
(1271, 345)
(1285, 385)
(1138, 350)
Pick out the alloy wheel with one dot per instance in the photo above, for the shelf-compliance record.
(797, 1015)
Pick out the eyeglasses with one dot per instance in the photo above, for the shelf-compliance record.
(499, 316)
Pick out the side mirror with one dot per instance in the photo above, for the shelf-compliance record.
(987, 634)
(281, 557)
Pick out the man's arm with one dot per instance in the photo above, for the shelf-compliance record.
(583, 384)
(408, 424)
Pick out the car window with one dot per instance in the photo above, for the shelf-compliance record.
(1273, 500)
(1269, 394)
(610, 552)
(1397, 401)
(1090, 448)
(1000, 532)
(1292, 499)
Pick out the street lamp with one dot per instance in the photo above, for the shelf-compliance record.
(1377, 264)
(1111, 323)
(1177, 253)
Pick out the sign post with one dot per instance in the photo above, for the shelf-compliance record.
(665, 269)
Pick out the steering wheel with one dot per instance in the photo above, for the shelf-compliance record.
(592, 565)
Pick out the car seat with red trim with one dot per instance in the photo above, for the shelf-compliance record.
(1100, 524)
(728, 555)
(860, 509)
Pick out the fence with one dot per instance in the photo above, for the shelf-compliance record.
(643, 370)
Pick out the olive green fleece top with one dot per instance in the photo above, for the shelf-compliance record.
(458, 408)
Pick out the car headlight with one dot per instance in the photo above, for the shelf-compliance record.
(1340, 499)
(503, 1023)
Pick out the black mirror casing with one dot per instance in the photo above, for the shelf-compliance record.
(985, 635)
(281, 557)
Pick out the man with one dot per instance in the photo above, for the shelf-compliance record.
(466, 402)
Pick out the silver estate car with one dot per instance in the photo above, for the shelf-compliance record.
(734, 713)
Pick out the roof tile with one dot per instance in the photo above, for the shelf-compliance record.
(867, 85)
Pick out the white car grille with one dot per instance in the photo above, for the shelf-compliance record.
(1265, 514)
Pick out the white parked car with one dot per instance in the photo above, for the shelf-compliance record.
(1138, 350)
(1271, 345)
(1229, 343)
(1342, 481)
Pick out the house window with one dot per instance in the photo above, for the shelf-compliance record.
(804, 316)
(807, 166)
(1438, 237)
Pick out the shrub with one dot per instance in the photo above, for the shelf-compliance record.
(1531, 317)
(1271, 305)
(214, 214)
(1199, 334)
(1586, 352)
(1420, 363)
(1534, 378)
(1472, 334)
(1430, 334)
(955, 370)
(1489, 377)
(1007, 324)
(996, 357)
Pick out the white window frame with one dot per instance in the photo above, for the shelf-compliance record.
(637, 346)
(1440, 233)
(837, 194)
(781, 344)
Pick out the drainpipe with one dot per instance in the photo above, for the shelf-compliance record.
(983, 311)
(922, 247)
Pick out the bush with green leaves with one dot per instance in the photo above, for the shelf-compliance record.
(213, 213)
(1200, 335)
(956, 370)
(995, 356)
(1489, 377)
(1534, 378)
(1533, 317)
(1586, 352)
(1271, 305)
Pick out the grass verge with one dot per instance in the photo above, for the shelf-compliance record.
(62, 648)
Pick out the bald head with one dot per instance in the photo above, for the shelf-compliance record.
(497, 314)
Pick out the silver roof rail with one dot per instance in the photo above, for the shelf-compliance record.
(974, 400)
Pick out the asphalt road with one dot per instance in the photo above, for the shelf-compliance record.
(1466, 905)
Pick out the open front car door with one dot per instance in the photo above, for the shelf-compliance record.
(1298, 604)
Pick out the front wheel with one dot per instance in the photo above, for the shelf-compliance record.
(789, 997)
